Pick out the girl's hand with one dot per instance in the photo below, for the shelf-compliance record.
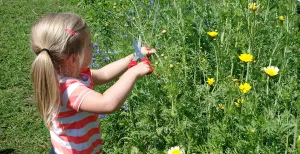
(147, 51)
(141, 69)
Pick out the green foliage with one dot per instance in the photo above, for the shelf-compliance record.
(175, 106)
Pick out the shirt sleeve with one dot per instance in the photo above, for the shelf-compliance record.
(74, 91)
(77, 96)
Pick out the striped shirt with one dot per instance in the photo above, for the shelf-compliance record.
(75, 131)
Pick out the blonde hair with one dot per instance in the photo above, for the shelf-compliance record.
(52, 42)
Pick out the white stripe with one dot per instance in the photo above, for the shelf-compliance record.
(97, 148)
(83, 99)
(77, 99)
(75, 118)
(63, 109)
(54, 124)
(77, 132)
(57, 151)
(72, 145)
(63, 80)
(65, 96)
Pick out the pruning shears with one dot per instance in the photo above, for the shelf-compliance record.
(139, 55)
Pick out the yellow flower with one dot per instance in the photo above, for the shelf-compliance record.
(271, 70)
(164, 31)
(203, 60)
(175, 150)
(171, 65)
(221, 106)
(281, 18)
(253, 6)
(245, 87)
(236, 82)
(245, 57)
(212, 34)
(298, 139)
(238, 102)
(210, 81)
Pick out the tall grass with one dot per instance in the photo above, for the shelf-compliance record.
(175, 106)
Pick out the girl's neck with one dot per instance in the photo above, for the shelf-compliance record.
(73, 73)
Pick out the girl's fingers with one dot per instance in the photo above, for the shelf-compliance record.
(148, 51)
(152, 51)
(146, 47)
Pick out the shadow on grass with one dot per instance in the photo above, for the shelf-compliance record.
(7, 151)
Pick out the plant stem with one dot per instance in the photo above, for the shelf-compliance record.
(172, 111)
(247, 74)
(217, 67)
(268, 85)
(295, 135)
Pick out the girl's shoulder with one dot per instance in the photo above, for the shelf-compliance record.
(85, 75)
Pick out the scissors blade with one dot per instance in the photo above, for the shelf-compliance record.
(137, 48)
(140, 43)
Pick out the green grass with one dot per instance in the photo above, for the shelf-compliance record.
(173, 106)
(21, 128)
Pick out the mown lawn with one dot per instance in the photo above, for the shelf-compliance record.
(21, 128)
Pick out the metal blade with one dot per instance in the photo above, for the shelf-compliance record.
(137, 48)
(140, 43)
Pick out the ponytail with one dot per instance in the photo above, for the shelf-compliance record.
(46, 87)
(54, 38)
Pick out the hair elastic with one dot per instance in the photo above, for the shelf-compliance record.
(70, 31)
(44, 49)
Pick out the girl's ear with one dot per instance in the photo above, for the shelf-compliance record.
(73, 60)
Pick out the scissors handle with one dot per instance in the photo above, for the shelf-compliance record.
(146, 60)
(132, 63)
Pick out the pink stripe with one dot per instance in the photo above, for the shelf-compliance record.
(77, 97)
(63, 149)
(80, 139)
(67, 114)
(77, 124)
(64, 86)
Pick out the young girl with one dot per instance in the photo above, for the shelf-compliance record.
(63, 82)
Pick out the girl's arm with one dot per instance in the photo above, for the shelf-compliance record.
(111, 71)
(113, 98)
(117, 68)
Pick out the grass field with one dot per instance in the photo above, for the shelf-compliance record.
(204, 96)
(21, 128)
